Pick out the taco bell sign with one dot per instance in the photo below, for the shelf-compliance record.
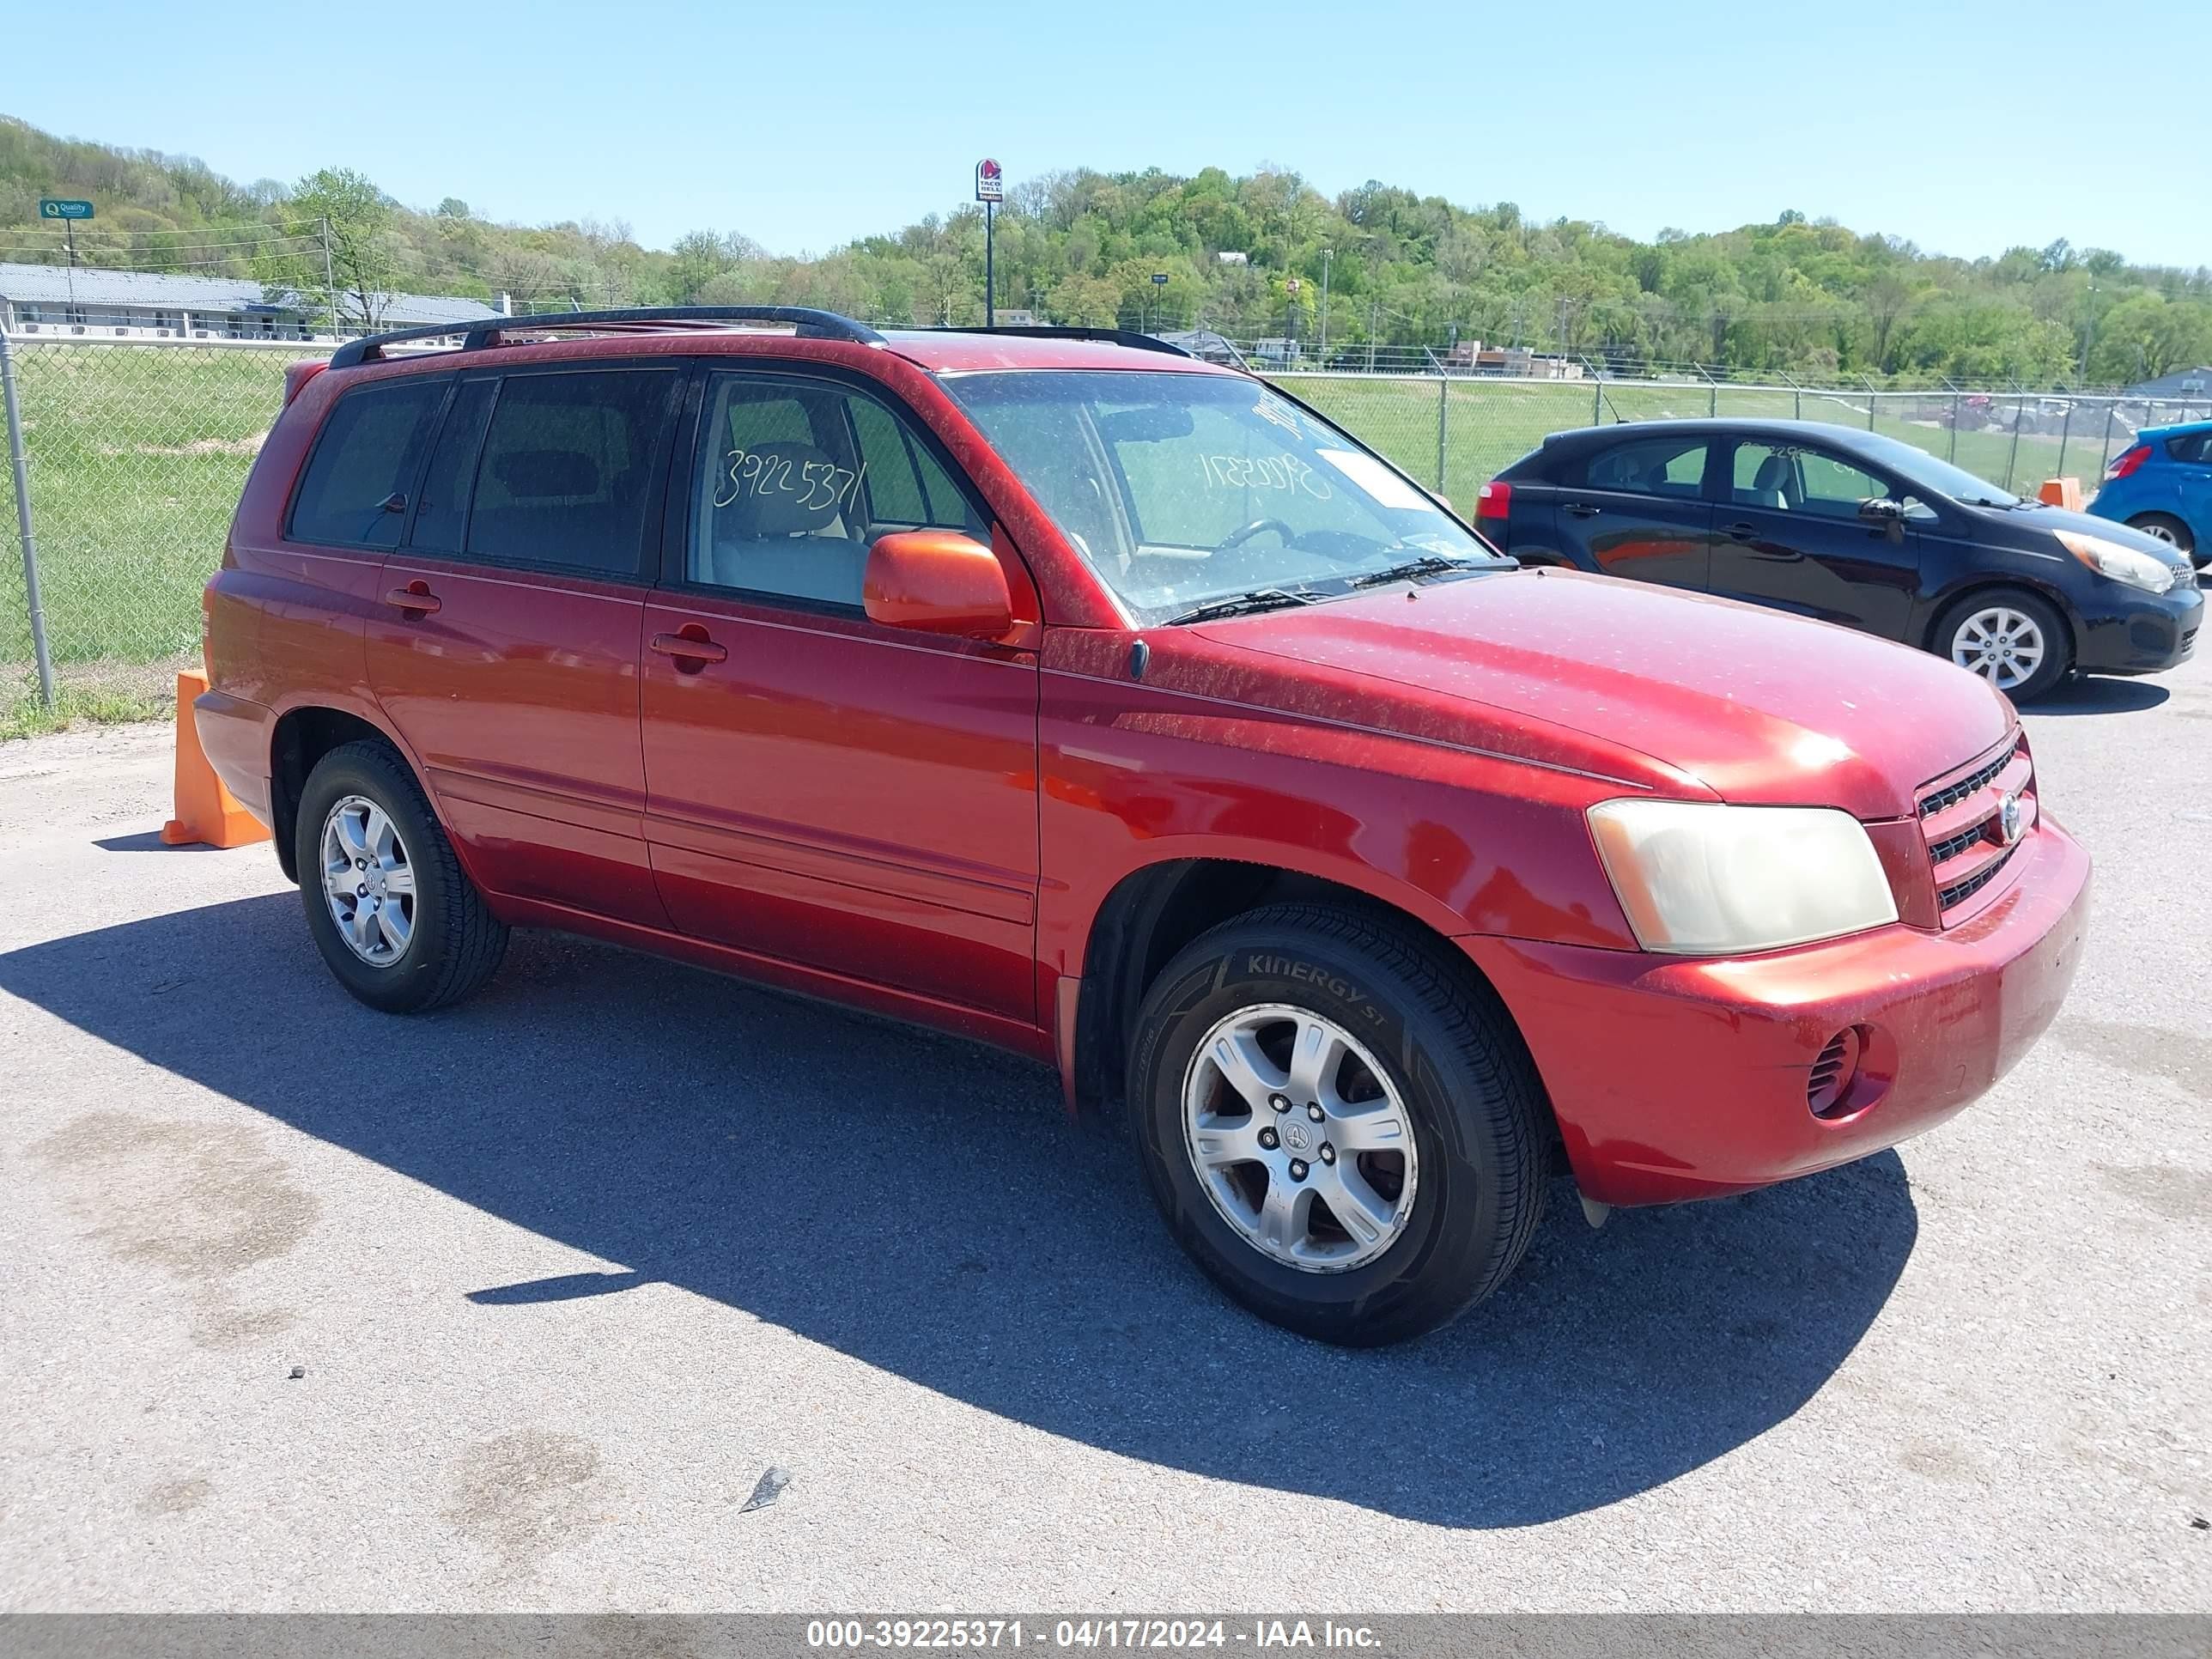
(990, 183)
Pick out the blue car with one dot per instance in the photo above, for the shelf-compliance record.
(2162, 484)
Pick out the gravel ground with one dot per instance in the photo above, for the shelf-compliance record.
(561, 1274)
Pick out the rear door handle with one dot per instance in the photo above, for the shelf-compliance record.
(1583, 510)
(689, 647)
(416, 596)
(1742, 532)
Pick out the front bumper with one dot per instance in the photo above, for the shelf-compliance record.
(1675, 1078)
(2140, 632)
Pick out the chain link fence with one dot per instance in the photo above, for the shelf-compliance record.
(135, 457)
(136, 454)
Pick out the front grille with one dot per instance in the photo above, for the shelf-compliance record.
(1952, 795)
(1951, 898)
(1965, 823)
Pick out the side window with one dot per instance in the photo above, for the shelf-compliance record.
(2195, 447)
(1652, 466)
(567, 469)
(441, 513)
(354, 493)
(1790, 480)
(797, 480)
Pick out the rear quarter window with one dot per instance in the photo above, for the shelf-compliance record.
(354, 492)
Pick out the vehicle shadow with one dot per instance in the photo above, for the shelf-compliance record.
(922, 1205)
(2091, 694)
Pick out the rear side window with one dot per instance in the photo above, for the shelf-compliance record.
(568, 470)
(1652, 466)
(354, 493)
(441, 513)
(2192, 446)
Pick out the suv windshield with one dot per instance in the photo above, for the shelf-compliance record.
(1183, 488)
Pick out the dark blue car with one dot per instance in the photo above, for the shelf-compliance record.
(1856, 528)
(2162, 484)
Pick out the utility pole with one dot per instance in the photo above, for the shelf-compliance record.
(1374, 322)
(330, 279)
(1324, 308)
(2088, 336)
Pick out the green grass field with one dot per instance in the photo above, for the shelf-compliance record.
(138, 456)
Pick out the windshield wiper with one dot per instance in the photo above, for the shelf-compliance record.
(1240, 604)
(1429, 564)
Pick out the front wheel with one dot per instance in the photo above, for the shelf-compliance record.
(1347, 1136)
(2014, 640)
(395, 916)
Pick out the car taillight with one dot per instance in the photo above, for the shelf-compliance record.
(1494, 501)
(2128, 461)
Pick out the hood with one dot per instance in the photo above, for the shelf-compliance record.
(1753, 705)
(2036, 516)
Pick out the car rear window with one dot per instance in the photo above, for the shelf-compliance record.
(366, 459)
(1650, 467)
(568, 470)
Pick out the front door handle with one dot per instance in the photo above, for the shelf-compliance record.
(1583, 510)
(690, 646)
(415, 597)
(1743, 532)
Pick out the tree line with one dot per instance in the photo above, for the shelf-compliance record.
(1804, 297)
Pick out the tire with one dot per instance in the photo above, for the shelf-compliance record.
(452, 943)
(1435, 1046)
(1997, 614)
(2167, 528)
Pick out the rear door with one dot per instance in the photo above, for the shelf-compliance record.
(503, 644)
(1638, 509)
(2191, 456)
(1791, 534)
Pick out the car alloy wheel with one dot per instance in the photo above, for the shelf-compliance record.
(1299, 1138)
(368, 881)
(2005, 647)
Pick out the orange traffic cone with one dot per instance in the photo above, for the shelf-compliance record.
(2061, 492)
(206, 811)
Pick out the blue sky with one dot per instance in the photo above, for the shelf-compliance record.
(1967, 125)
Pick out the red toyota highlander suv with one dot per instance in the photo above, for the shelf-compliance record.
(1057, 689)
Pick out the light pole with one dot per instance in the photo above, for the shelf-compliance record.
(1324, 308)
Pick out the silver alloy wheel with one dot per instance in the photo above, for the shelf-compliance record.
(368, 881)
(1299, 1138)
(2160, 529)
(2005, 647)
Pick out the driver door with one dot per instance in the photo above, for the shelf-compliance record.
(822, 789)
(1790, 533)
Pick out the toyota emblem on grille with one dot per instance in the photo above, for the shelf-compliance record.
(2008, 819)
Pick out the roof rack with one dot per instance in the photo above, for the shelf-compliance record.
(1125, 337)
(483, 332)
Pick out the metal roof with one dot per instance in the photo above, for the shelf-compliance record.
(53, 285)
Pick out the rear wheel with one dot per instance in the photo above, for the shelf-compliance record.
(1348, 1137)
(397, 920)
(2014, 640)
(2168, 528)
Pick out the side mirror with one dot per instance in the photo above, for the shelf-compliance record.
(937, 581)
(1882, 510)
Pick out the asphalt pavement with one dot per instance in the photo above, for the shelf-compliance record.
(520, 1305)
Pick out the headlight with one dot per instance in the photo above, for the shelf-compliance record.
(2123, 564)
(1700, 878)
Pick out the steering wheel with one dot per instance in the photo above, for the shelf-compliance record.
(1236, 539)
